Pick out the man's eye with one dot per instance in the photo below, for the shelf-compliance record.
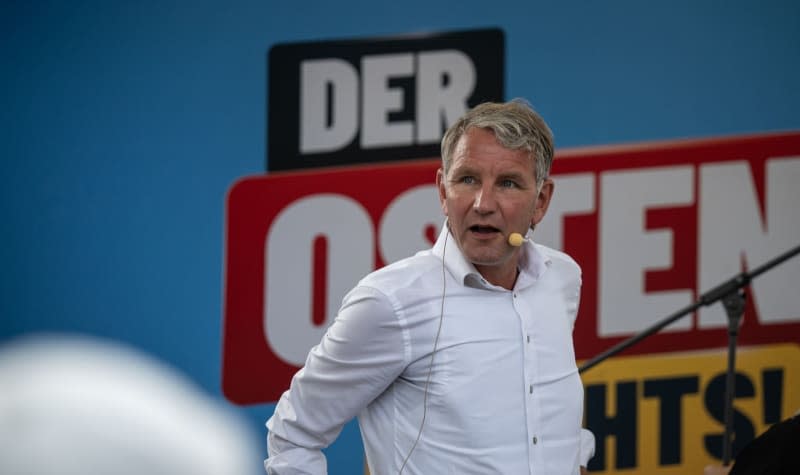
(468, 180)
(508, 184)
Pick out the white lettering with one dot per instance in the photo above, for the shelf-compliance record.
(288, 289)
(734, 236)
(627, 250)
(402, 228)
(379, 100)
(445, 81)
(574, 194)
(316, 135)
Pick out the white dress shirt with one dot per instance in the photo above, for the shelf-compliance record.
(504, 395)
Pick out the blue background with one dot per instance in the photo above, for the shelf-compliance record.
(123, 124)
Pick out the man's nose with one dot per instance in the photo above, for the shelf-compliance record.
(484, 200)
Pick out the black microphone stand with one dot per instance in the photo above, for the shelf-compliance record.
(732, 295)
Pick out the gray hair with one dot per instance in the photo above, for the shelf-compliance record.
(515, 125)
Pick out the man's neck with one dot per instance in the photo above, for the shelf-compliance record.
(505, 276)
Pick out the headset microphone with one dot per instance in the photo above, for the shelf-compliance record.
(516, 239)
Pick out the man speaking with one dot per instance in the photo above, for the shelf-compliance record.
(458, 360)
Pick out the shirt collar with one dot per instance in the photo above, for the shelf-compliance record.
(532, 262)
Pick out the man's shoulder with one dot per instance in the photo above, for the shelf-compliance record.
(559, 257)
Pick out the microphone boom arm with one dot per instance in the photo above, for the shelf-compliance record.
(731, 294)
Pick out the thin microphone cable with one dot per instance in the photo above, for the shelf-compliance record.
(430, 368)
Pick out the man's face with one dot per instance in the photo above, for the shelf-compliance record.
(488, 193)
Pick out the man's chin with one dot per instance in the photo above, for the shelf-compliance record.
(488, 252)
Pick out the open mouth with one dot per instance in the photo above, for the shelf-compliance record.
(483, 230)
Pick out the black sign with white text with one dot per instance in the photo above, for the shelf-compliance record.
(369, 100)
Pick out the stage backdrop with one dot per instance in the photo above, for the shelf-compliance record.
(125, 124)
(653, 227)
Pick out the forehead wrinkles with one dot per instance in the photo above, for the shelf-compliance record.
(481, 157)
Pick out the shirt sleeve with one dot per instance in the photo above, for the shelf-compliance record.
(362, 352)
(587, 447)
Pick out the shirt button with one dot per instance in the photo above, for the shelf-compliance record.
(535, 440)
(530, 389)
(529, 338)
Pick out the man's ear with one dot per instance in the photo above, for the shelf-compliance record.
(441, 185)
(543, 201)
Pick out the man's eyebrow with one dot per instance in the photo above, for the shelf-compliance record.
(511, 175)
(464, 170)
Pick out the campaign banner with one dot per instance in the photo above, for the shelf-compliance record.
(653, 226)
(664, 413)
(389, 98)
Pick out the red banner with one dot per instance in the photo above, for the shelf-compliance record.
(653, 226)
